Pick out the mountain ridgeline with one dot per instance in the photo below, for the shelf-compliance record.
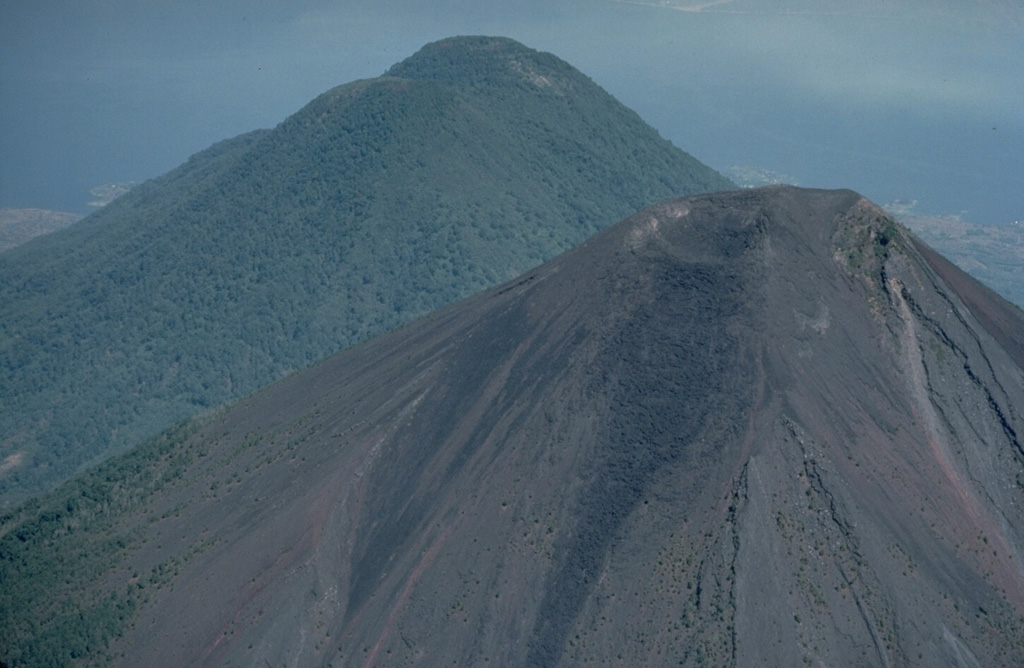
(381, 200)
(758, 428)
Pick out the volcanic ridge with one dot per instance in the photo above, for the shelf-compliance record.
(759, 428)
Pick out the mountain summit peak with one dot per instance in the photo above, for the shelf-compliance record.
(476, 60)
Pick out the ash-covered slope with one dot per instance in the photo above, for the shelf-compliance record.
(470, 162)
(761, 428)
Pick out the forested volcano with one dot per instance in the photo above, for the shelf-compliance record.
(381, 200)
(759, 428)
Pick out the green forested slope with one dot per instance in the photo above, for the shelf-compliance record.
(382, 199)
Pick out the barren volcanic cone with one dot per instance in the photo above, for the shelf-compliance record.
(761, 428)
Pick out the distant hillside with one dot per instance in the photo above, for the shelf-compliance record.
(994, 254)
(19, 225)
(382, 199)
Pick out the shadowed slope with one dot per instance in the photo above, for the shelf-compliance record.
(756, 429)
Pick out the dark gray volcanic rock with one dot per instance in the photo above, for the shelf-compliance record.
(761, 428)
